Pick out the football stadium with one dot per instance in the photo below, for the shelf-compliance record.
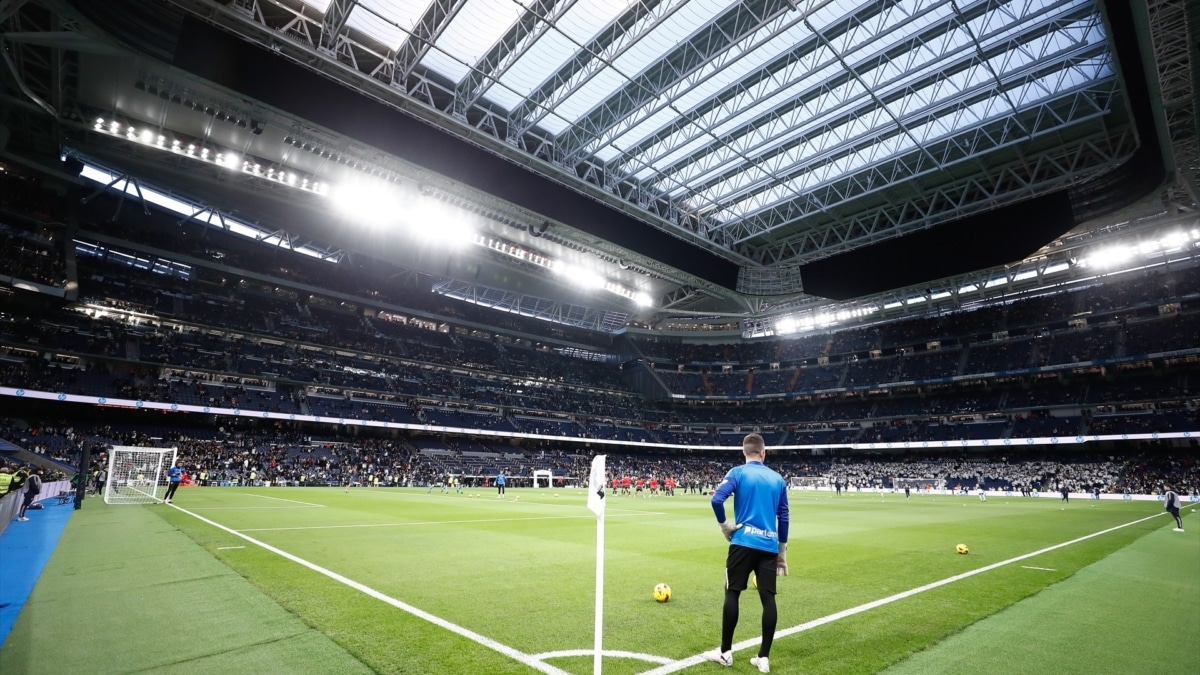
(599, 336)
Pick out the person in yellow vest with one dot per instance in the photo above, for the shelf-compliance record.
(253, 477)
(303, 480)
(5, 480)
(204, 478)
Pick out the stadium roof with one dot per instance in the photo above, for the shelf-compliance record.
(712, 152)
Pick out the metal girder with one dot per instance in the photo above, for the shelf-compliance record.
(334, 22)
(432, 102)
(537, 18)
(741, 22)
(609, 44)
(821, 127)
(9, 8)
(884, 162)
(1173, 45)
(528, 305)
(425, 33)
(1037, 174)
(764, 82)
(777, 280)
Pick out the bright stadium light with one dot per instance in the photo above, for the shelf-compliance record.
(366, 201)
(1110, 257)
(642, 300)
(580, 276)
(786, 325)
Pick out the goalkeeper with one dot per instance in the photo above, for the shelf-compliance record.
(757, 543)
(175, 477)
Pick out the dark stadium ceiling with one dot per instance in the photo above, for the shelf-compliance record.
(709, 152)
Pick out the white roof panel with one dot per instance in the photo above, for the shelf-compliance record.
(388, 21)
(477, 27)
(573, 30)
(660, 41)
(319, 5)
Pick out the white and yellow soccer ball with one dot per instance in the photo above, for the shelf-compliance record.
(662, 593)
(962, 549)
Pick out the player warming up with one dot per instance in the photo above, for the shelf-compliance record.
(175, 475)
(757, 543)
(1172, 503)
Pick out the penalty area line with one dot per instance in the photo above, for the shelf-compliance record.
(281, 499)
(514, 654)
(815, 623)
(420, 522)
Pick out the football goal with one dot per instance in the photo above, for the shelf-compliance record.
(137, 475)
(543, 478)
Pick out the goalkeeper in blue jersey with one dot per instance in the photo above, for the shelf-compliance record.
(757, 538)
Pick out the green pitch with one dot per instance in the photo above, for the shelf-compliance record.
(402, 581)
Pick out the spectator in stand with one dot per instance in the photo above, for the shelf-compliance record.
(6, 479)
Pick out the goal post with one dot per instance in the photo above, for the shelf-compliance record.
(137, 475)
(543, 478)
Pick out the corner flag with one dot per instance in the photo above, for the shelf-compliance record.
(595, 500)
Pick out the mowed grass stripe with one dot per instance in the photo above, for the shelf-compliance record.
(530, 584)
(837, 616)
(127, 592)
(510, 652)
(1133, 612)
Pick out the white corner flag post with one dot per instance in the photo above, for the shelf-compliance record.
(595, 502)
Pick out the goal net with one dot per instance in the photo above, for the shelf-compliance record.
(137, 475)
(808, 482)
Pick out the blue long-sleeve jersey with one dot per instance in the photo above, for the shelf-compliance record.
(760, 505)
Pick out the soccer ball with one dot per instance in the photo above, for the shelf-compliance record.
(662, 593)
(962, 549)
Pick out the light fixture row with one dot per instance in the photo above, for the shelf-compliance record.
(147, 136)
(204, 152)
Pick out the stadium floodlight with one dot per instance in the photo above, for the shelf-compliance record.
(580, 276)
(642, 300)
(786, 325)
(1110, 257)
(367, 201)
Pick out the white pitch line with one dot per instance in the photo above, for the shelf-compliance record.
(566, 653)
(510, 652)
(420, 522)
(247, 508)
(815, 623)
(281, 499)
(1040, 569)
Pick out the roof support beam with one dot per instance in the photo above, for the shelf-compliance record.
(608, 45)
(424, 35)
(334, 22)
(740, 22)
(534, 22)
(1046, 172)
(830, 144)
